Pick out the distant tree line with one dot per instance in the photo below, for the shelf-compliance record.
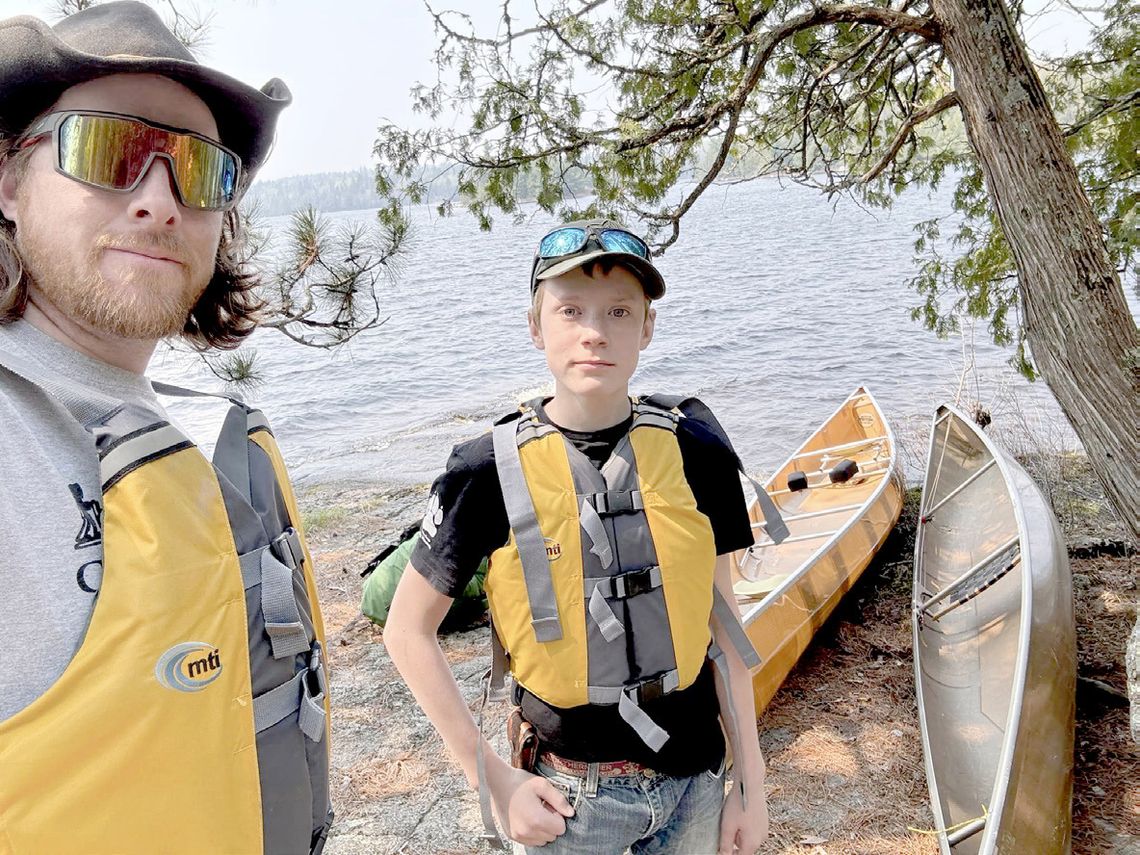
(355, 190)
(324, 191)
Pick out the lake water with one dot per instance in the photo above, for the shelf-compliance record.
(779, 304)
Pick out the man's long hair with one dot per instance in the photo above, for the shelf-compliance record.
(224, 315)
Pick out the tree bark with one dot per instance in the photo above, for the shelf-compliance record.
(1082, 336)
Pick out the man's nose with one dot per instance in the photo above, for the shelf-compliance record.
(155, 197)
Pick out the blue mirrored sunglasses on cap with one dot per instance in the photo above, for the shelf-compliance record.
(571, 239)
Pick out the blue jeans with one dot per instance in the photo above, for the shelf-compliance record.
(646, 814)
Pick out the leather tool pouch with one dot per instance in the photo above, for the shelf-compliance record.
(523, 741)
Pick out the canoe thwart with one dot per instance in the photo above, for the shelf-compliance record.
(928, 515)
(810, 516)
(977, 579)
(844, 446)
(966, 831)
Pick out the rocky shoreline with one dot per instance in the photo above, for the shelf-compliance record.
(841, 738)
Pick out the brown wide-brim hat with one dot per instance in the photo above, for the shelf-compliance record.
(38, 62)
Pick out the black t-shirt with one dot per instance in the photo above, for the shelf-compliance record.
(466, 522)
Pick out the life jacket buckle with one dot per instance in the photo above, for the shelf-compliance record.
(288, 549)
(635, 582)
(649, 690)
(314, 674)
(616, 502)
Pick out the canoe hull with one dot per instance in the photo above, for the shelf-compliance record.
(996, 673)
(809, 577)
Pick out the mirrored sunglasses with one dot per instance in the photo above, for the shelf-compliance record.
(571, 239)
(113, 152)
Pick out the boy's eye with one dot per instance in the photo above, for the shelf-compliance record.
(568, 311)
(620, 312)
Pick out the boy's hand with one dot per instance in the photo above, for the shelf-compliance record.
(535, 810)
(742, 831)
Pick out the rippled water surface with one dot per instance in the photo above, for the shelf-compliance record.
(778, 305)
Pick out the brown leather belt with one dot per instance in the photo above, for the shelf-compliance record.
(581, 769)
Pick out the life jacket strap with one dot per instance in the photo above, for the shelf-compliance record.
(611, 628)
(721, 665)
(528, 536)
(726, 616)
(596, 530)
(304, 694)
(120, 457)
(629, 699)
(619, 587)
(497, 688)
(490, 834)
(287, 633)
(650, 414)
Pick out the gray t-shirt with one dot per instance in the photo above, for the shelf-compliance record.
(51, 538)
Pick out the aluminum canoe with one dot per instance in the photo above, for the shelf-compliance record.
(786, 591)
(994, 650)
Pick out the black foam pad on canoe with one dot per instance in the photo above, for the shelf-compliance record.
(797, 481)
(843, 471)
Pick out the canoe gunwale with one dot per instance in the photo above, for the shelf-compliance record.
(892, 473)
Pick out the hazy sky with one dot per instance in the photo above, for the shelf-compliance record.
(351, 62)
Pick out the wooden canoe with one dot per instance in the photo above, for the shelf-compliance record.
(994, 650)
(787, 590)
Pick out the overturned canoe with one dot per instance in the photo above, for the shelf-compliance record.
(846, 495)
(994, 650)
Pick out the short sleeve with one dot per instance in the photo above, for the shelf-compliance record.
(712, 470)
(465, 520)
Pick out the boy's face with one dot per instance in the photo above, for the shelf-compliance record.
(592, 330)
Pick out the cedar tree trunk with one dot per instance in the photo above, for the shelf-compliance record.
(1081, 333)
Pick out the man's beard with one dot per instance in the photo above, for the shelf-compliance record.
(144, 304)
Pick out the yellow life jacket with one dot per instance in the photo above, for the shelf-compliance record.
(605, 590)
(193, 717)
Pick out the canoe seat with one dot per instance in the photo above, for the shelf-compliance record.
(754, 589)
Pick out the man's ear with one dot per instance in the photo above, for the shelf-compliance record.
(8, 190)
(535, 330)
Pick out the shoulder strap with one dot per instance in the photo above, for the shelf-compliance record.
(528, 536)
(694, 408)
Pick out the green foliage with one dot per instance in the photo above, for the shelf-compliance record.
(654, 100)
(1095, 92)
(322, 289)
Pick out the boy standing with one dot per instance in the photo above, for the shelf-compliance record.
(607, 520)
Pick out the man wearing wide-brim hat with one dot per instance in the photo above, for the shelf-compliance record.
(162, 683)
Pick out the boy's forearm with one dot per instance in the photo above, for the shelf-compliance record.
(421, 663)
(747, 757)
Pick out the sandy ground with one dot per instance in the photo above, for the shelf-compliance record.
(841, 738)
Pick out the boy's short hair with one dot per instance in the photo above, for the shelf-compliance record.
(606, 264)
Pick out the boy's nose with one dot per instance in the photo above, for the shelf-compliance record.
(593, 331)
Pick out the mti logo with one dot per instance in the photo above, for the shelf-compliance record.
(553, 549)
(189, 666)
